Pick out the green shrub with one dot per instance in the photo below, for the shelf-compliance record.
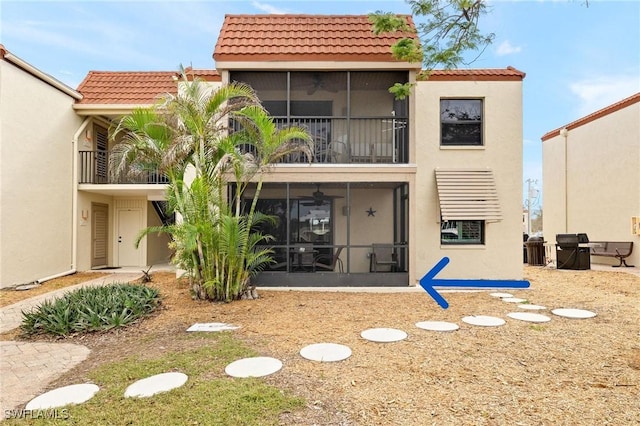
(91, 309)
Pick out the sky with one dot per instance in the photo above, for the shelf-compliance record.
(578, 57)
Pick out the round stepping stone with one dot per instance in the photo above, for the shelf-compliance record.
(528, 316)
(253, 367)
(500, 295)
(383, 335)
(437, 325)
(532, 307)
(155, 384)
(73, 394)
(326, 352)
(573, 313)
(513, 299)
(484, 320)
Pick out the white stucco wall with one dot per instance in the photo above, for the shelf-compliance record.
(501, 255)
(602, 186)
(36, 130)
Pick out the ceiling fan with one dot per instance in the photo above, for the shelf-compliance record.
(317, 198)
(318, 83)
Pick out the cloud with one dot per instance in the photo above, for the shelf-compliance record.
(268, 8)
(599, 92)
(506, 48)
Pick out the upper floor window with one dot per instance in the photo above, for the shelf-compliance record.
(461, 122)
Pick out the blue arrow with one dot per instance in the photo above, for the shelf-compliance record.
(428, 282)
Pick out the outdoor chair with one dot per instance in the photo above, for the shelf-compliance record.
(321, 259)
(383, 255)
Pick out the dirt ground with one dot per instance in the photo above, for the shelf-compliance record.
(565, 371)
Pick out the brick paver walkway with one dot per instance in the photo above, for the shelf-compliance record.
(27, 368)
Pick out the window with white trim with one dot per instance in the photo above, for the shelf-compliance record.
(461, 122)
(462, 232)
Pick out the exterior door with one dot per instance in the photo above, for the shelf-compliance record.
(99, 234)
(129, 225)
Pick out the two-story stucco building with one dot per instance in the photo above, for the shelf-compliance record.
(394, 185)
(591, 175)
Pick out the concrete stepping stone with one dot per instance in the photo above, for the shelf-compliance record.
(573, 313)
(437, 325)
(528, 316)
(501, 295)
(383, 335)
(155, 384)
(513, 300)
(326, 352)
(531, 307)
(212, 326)
(72, 394)
(253, 367)
(484, 320)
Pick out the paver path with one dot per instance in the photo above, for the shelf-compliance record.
(26, 368)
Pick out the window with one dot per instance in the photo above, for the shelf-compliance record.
(310, 222)
(461, 122)
(462, 232)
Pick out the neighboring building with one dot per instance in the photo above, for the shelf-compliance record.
(591, 177)
(437, 174)
(37, 124)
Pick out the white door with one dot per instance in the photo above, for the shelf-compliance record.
(129, 225)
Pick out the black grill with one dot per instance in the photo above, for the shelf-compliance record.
(572, 251)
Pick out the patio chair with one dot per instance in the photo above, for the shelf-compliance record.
(321, 259)
(383, 255)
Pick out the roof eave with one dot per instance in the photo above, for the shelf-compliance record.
(107, 109)
(27, 67)
(297, 64)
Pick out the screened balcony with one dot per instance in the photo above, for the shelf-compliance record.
(350, 115)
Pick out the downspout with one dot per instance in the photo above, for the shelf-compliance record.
(565, 133)
(74, 190)
(74, 207)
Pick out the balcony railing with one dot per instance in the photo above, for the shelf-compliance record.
(94, 168)
(353, 140)
(340, 140)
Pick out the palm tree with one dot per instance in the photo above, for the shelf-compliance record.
(188, 137)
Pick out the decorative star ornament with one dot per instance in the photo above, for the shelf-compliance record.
(371, 212)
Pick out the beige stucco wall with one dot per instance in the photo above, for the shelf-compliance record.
(602, 186)
(36, 183)
(501, 255)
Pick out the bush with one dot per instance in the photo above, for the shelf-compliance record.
(91, 309)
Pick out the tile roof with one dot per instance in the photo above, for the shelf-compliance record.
(302, 38)
(132, 87)
(633, 99)
(491, 74)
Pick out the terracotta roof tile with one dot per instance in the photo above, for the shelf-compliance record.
(132, 88)
(250, 38)
(633, 99)
(490, 74)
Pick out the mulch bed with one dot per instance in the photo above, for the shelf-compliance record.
(565, 371)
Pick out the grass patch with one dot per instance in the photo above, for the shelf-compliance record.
(209, 397)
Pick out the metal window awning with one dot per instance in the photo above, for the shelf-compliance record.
(468, 194)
